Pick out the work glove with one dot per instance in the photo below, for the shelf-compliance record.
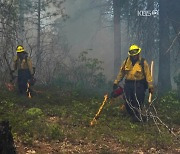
(115, 86)
(151, 90)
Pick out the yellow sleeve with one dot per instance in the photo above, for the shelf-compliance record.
(148, 76)
(30, 66)
(121, 74)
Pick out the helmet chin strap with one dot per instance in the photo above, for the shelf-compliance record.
(134, 59)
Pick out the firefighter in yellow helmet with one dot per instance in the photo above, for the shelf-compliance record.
(23, 64)
(138, 78)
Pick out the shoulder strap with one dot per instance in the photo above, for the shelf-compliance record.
(25, 56)
(142, 65)
(26, 59)
(125, 64)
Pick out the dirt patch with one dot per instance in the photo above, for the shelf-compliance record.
(81, 146)
(53, 119)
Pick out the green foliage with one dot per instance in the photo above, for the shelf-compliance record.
(84, 76)
(67, 117)
(55, 133)
(89, 71)
(34, 113)
(27, 139)
(169, 105)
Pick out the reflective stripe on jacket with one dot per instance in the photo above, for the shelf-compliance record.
(135, 72)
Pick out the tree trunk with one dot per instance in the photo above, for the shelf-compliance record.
(117, 36)
(38, 54)
(164, 80)
(21, 21)
(173, 10)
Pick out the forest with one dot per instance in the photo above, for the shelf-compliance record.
(75, 53)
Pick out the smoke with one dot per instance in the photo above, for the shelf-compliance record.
(85, 30)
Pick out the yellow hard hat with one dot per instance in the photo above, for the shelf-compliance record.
(134, 50)
(20, 48)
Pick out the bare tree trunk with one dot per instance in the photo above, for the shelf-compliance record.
(176, 28)
(173, 10)
(117, 36)
(164, 79)
(21, 21)
(38, 54)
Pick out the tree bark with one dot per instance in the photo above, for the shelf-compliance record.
(117, 36)
(173, 11)
(38, 54)
(164, 80)
(21, 21)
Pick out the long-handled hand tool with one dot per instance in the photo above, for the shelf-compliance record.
(99, 111)
(117, 92)
(150, 94)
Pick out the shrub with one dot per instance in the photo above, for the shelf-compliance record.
(54, 132)
(34, 113)
(83, 75)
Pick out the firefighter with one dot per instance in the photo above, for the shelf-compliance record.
(137, 76)
(23, 64)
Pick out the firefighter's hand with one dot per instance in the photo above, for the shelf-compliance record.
(151, 90)
(115, 86)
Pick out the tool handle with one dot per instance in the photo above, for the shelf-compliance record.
(150, 98)
(150, 94)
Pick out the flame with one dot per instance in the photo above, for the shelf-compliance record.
(99, 111)
(28, 90)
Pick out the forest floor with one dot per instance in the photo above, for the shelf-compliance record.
(56, 121)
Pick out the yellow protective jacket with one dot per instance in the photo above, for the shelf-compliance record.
(135, 72)
(26, 63)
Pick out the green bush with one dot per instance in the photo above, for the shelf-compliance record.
(27, 139)
(84, 75)
(34, 113)
(54, 132)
